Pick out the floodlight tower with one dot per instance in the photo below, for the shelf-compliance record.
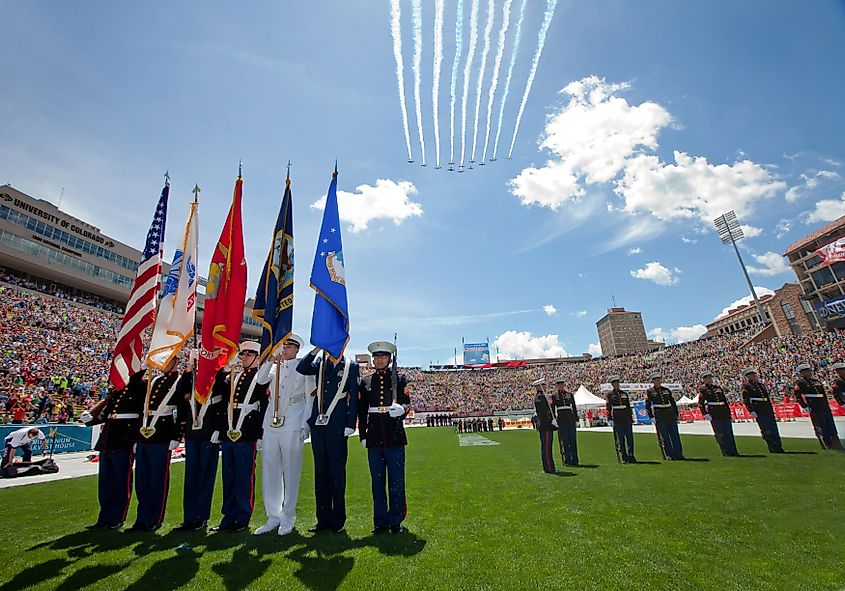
(729, 232)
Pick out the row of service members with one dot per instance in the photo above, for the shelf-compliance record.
(559, 413)
(478, 425)
(275, 408)
(438, 420)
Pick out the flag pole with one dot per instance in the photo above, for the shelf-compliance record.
(196, 191)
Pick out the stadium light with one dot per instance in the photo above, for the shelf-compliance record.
(729, 232)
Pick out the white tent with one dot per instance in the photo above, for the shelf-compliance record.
(685, 400)
(586, 399)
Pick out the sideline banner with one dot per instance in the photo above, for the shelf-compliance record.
(640, 415)
(69, 437)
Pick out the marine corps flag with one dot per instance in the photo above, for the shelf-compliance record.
(330, 322)
(224, 300)
(274, 299)
(178, 308)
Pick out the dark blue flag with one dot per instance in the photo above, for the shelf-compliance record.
(330, 322)
(274, 299)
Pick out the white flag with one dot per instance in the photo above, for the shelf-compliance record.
(178, 308)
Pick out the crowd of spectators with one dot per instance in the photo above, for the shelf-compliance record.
(7, 276)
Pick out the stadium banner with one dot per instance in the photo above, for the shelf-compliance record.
(832, 312)
(476, 353)
(640, 415)
(68, 437)
(690, 415)
(833, 252)
(639, 387)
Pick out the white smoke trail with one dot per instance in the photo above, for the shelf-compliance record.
(488, 29)
(459, 46)
(473, 41)
(435, 88)
(541, 41)
(517, 36)
(396, 32)
(416, 10)
(497, 64)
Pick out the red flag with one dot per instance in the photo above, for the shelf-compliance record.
(833, 252)
(224, 300)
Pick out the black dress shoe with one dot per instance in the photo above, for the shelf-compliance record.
(96, 526)
(217, 528)
(338, 530)
(318, 528)
(632, 460)
(238, 527)
(378, 530)
(198, 526)
(151, 528)
(114, 526)
(134, 528)
(398, 529)
(185, 526)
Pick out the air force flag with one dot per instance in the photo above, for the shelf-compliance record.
(330, 321)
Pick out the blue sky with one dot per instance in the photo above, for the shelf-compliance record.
(673, 111)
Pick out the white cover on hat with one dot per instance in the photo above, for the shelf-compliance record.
(250, 346)
(297, 339)
(382, 347)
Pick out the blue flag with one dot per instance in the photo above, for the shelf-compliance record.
(330, 322)
(274, 299)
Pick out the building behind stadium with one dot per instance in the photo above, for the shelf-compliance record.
(41, 243)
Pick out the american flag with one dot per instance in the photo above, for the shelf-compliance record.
(141, 308)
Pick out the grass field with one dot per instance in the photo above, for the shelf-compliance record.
(483, 517)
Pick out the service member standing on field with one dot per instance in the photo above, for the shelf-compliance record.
(839, 383)
(756, 397)
(546, 425)
(621, 418)
(812, 397)
(159, 435)
(382, 405)
(120, 414)
(240, 433)
(660, 405)
(714, 406)
(566, 414)
(333, 416)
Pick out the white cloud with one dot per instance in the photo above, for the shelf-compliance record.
(751, 231)
(656, 272)
(594, 349)
(761, 291)
(810, 180)
(550, 310)
(772, 264)
(682, 334)
(686, 240)
(590, 138)
(388, 199)
(826, 210)
(694, 189)
(783, 227)
(523, 345)
(579, 313)
(636, 250)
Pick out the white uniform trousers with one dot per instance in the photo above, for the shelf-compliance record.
(281, 468)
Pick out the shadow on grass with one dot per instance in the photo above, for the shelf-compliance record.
(645, 463)
(800, 453)
(585, 466)
(89, 575)
(750, 456)
(35, 574)
(695, 460)
(85, 543)
(562, 473)
(170, 573)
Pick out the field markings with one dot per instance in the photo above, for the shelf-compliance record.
(473, 439)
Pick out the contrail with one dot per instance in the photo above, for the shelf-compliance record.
(459, 45)
(541, 41)
(416, 9)
(488, 29)
(517, 36)
(473, 41)
(435, 89)
(396, 32)
(497, 64)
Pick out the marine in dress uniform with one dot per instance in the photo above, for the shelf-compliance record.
(239, 431)
(199, 422)
(120, 414)
(546, 425)
(811, 395)
(714, 406)
(285, 429)
(334, 412)
(839, 383)
(756, 397)
(566, 414)
(381, 412)
(660, 405)
(159, 435)
(621, 418)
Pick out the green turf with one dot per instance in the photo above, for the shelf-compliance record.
(481, 518)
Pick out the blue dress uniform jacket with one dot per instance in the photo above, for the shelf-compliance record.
(839, 391)
(757, 400)
(712, 401)
(379, 429)
(567, 418)
(547, 431)
(619, 411)
(811, 394)
(565, 409)
(121, 418)
(661, 406)
(328, 442)
(252, 427)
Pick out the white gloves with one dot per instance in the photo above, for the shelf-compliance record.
(610, 423)
(364, 443)
(347, 432)
(215, 437)
(554, 423)
(708, 417)
(805, 409)
(173, 445)
(258, 444)
(304, 433)
(194, 355)
(86, 417)
(395, 410)
(753, 414)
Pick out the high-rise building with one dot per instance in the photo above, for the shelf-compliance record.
(621, 332)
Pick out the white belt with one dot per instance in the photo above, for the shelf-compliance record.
(619, 407)
(124, 415)
(813, 395)
(715, 403)
(377, 409)
(560, 408)
(163, 411)
(758, 399)
(248, 408)
(297, 399)
(661, 405)
(215, 399)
